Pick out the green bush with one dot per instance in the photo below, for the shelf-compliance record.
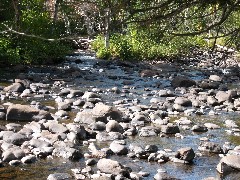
(8, 54)
(139, 46)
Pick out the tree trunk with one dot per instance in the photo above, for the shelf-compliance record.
(17, 9)
(107, 33)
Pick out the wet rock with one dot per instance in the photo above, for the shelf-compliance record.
(15, 163)
(78, 130)
(26, 113)
(34, 126)
(212, 101)
(165, 93)
(64, 92)
(183, 101)
(215, 78)
(148, 73)
(231, 124)
(90, 162)
(64, 106)
(13, 127)
(61, 113)
(112, 167)
(186, 154)
(212, 126)
(228, 164)
(181, 81)
(164, 176)
(102, 112)
(98, 126)
(170, 129)
(151, 148)
(210, 147)
(2, 115)
(149, 131)
(67, 152)
(79, 102)
(118, 148)
(57, 128)
(114, 126)
(76, 93)
(13, 138)
(199, 128)
(104, 136)
(59, 176)
(85, 117)
(132, 131)
(38, 143)
(29, 159)
(88, 95)
(14, 153)
(15, 87)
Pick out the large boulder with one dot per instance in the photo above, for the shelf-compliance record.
(229, 163)
(13, 138)
(102, 112)
(186, 154)
(118, 148)
(114, 126)
(111, 167)
(26, 113)
(15, 87)
(182, 81)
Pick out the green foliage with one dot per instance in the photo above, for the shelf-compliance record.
(8, 53)
(138, 46)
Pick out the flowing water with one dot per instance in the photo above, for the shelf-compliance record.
(204, 165)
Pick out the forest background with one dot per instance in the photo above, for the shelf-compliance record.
(44, 31)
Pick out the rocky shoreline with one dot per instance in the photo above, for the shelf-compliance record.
(66, 110)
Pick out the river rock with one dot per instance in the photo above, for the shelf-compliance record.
(104, 136)
(26, 113)
(34, 126)
(186, 154)
(57, 128)
(29, 159)
(164, 176)
(85, 117)
(149, 131)
(14, 138)
(182, 81)
(15, 163)
(231, 124)
(215, 78)
(15, 87)
(13, 127)
(183, 101)
(151, 148)
(210, 147)
(114, 126)
(170, 129)
(67, 152)
(39, 143)
(2, 115)
(112, 167)
(59, 176)
(98, 126)
(102, 112)
(212, 126)
(228, 164)
(118, 148)
(199, 128)
(14, 153)
(87, 95)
